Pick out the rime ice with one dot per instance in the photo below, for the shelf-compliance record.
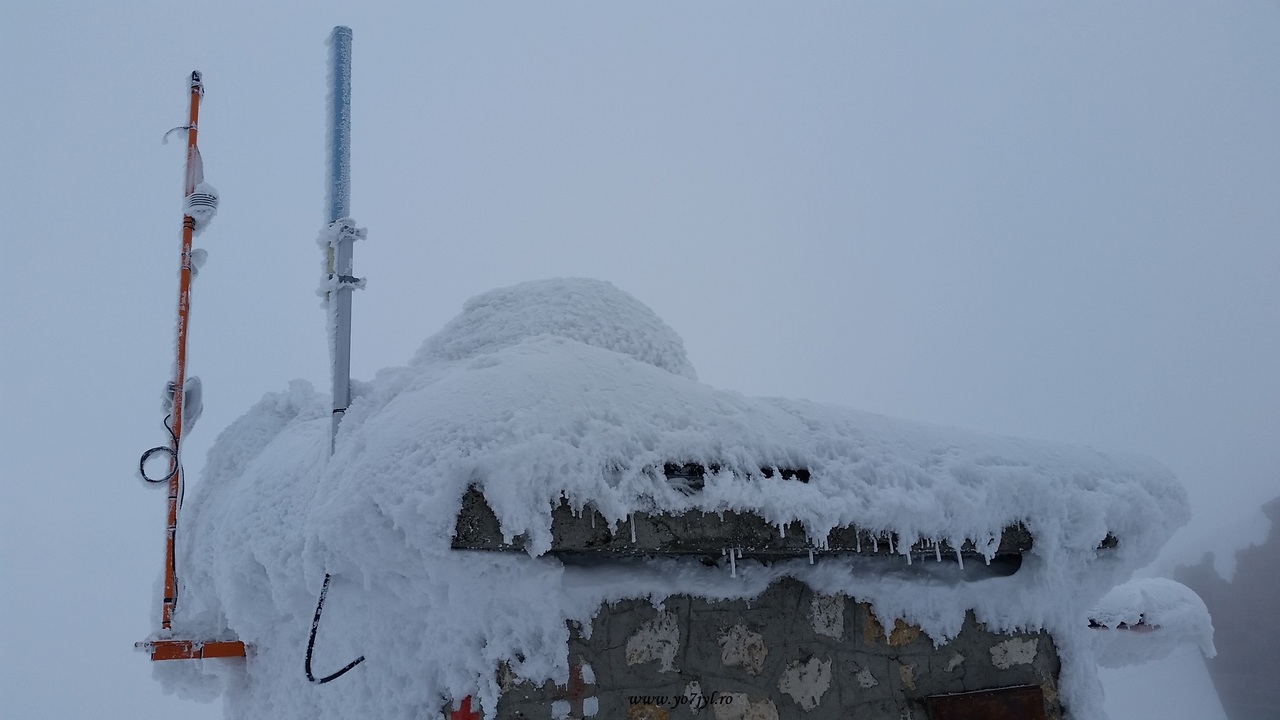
(572, 388)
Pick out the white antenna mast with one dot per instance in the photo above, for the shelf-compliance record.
(341, 232)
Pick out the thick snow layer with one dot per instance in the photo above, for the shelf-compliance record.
(593, 312)
(1176, 687)
(1146, 619)
(573, 388)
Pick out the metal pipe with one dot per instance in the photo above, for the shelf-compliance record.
(339, 208)
(339, 191)
(193, 173)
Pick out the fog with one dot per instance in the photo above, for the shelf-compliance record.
(1046, 221)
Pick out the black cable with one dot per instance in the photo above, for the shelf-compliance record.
(311, 641)
(173, 456)
(175, 468)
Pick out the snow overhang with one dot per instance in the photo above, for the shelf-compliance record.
(586, 532)
(1146, 619)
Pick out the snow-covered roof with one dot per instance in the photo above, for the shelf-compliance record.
(592, 312)
(572, 388)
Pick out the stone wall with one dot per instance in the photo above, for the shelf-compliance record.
(588, 534)
(789, 653)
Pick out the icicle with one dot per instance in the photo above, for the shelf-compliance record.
(875, 544)
(782, 530)
(891, 551)
(733, 563)
(810, 556)
(631, 519)
(959, 558)
(858, 535)
(937, 551)
(908, 557)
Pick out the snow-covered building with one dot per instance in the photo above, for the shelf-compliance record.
(545, 514)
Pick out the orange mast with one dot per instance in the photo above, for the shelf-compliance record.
(180, 365)
(168, 648)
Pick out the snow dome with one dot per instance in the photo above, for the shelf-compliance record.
(570, 392)
(593, 312)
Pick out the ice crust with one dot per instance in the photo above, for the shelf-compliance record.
(572, 388)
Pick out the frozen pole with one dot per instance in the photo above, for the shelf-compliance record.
(195, 173)
(339, 124)
(198, 209)
(341, 232)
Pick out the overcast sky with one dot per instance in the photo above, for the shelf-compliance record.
(1048, 220)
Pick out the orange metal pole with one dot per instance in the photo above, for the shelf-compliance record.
(171, 648)
(180, 365)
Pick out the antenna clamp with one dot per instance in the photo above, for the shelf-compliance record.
(344, 229)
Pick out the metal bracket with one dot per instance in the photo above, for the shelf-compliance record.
(192, 649)
(348, 281)
(345, 229)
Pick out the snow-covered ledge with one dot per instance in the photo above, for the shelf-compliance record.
(1146, 619)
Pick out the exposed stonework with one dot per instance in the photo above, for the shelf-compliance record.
(787, 652)
(1014, 651)
(907, 674)
(828, 615)
(903, 633)
(744, 707)
(658, 639)
(806, 682)
(587, 532)
(865, 678)
(648, 712)
(670, 664)
(740, 647)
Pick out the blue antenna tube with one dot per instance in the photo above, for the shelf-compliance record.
(342, 232)
(339, 196)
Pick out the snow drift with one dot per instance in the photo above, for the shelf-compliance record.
(574, 389)
(1147, 619)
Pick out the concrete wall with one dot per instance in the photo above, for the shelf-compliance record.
(787, 654)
